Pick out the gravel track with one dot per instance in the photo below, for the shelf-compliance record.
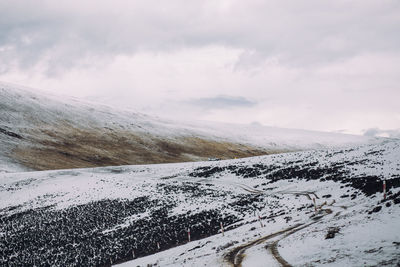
(235, 256)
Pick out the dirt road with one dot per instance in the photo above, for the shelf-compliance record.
(235, 256)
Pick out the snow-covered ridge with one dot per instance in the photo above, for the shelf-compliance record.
(39, 132)
(141, 214)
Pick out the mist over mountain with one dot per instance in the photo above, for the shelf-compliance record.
(43, 132)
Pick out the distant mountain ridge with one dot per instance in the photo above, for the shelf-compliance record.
(42, 132)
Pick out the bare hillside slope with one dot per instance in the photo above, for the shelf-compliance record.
(42, 132)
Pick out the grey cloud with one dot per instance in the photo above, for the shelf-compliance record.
(372, 132)
(300, 33)
(394, 133)
(222, 102)
(305, 58)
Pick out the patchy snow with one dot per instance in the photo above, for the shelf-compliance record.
(27, 116)
(99, 216)
(363, 240)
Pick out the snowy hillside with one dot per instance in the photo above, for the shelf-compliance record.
(139, 215)
(43, 132)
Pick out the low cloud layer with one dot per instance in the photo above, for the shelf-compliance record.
(309, 64)
(222, 102)
(376, 132)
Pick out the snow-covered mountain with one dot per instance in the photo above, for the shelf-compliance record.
(43, 132)
(142, 215)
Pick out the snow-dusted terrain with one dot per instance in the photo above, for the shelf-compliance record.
(140, 215)
(43, 132)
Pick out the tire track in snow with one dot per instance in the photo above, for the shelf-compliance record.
(250, 189)
(273, 248)
(255, 191)
(235, 256)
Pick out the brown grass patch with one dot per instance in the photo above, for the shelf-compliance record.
(64, 146)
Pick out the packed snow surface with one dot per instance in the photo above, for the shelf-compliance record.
(140, 215)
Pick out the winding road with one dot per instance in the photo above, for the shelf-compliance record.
(236, 255)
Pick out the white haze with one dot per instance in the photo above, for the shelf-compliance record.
(310, 64)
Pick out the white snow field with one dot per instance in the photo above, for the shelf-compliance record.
(39, 131)
(140, 215)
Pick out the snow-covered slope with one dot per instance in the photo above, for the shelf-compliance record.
(42, 132)
(142, 214)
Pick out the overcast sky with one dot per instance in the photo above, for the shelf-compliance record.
(319, 65)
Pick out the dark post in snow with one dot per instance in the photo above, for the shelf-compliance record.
(384, 189)
(259, 219)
